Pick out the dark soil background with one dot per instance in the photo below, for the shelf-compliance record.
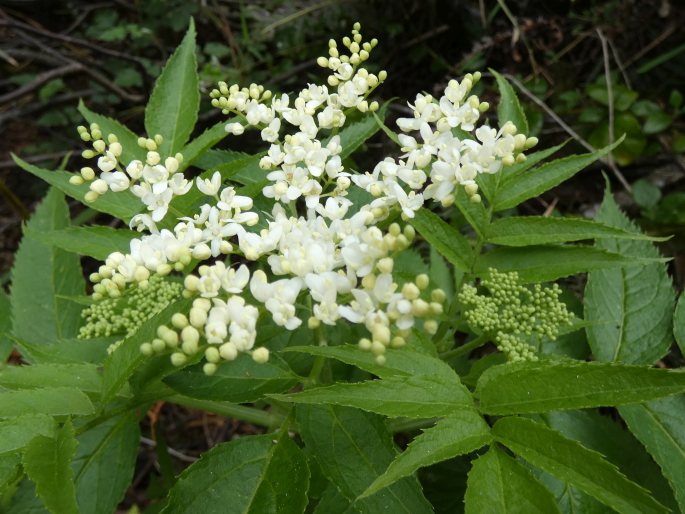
(559, 54)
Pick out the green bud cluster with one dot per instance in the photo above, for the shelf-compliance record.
(124, 315)
(513, 313)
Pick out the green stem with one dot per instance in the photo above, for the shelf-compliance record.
(465, 349)
(232, 410)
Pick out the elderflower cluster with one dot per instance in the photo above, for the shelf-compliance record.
(319, 255)
(449, 151)
(512, 313)
(126, 314)
(156, 184)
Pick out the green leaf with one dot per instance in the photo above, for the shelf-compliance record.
(15, 433)
(624, 123)
(569, 499)
(545, 263)
(254, 474)
(358, 132)
(391, 135)
(538, 230)
(123, 362)
(497, 484)
(198, 146)
(96, 242)
(175, 99)
(10, 472)
(25, 500)
(535, 182)
(522, 387)
(489, 184)
(104, 463)
(440, 274)
(474, 213)
(85, 377)
(398, 362)
(241, 380)
(679, 323)
(509, 107)
(123, 205)
(47, 462)
(646, 194)
(462, 432)
(5, 325)
(630, 309)
(444, 238)
(129, 141)
(40, 274)
(412, 397)
(604, 435)
(213, 158)
(657, 122)
(54, 401)
(65, 350)
(572, 462)
(353, 448)
(660, 426)
(509, 173)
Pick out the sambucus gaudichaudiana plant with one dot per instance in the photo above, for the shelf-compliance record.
(296, 239)
(336, 257)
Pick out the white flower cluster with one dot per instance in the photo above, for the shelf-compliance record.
(442, 157)
(154, 183)
(321, 257)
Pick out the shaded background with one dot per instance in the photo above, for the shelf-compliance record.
(560, 55)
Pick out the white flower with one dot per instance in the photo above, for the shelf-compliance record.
(335, 208)
(234, 281)
(325, 287)
(216, 230)
(107, 162)
(135, 169)
(235, 128)
(278, 297)
(270, 133)
(157, 176)
(229, 200)
(158, 203)
(410, 203)
(179, 185)
(209, 186)
(117, 181)
(142, 222)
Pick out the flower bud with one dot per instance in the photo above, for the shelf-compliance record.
(377, 348)
(153, 158)
(430, 326)
(410, 291)
(178, 359)
(198, 317)
(422, 281)
(228, 351)
(99, 186)
(212, 354)
(260, 355)
(116, 149)
(385, 265)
